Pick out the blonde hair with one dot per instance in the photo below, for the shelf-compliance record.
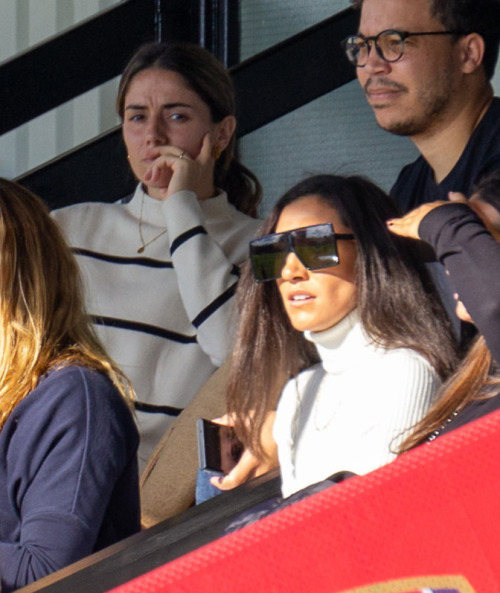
(43, 323)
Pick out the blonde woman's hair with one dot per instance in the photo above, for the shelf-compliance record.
(43, 323)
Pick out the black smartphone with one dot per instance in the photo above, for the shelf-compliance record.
(218, 447)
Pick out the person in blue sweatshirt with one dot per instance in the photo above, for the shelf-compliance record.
(68, 440)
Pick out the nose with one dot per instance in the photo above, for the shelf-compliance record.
(155, 133)
(294, 269)
(375, 63)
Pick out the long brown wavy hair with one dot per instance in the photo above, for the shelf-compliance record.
(476, 378)
(208, 78)
(43, 323)
(397, 302)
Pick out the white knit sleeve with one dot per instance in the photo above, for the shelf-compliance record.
(207, 269)
(404, 392)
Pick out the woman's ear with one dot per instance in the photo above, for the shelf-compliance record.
(472, 55)
(224, 132)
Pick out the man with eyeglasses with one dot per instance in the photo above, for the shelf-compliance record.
(425, 67)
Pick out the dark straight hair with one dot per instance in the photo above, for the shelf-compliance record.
(398, 304)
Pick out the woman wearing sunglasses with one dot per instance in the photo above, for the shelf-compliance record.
(348, 339)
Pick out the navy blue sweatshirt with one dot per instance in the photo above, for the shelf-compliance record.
(68, 475)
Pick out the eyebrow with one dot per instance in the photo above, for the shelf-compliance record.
(165, 106)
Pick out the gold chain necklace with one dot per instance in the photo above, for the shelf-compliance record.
(146, 243)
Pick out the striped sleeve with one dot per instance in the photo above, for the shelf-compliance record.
(206, 274)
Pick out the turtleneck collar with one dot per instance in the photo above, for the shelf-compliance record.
(340, 346)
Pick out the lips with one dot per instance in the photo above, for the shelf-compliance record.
(382, 90)
(300, 298)
(151, 156)
(381, 96)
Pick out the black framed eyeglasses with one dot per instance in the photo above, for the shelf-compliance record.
(389, 45)
(315, 246)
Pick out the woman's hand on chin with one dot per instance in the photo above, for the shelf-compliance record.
(174, 170)
(249, 466)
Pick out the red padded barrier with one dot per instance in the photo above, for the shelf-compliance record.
(430, 519)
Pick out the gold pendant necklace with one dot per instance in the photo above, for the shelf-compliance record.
(146, 243)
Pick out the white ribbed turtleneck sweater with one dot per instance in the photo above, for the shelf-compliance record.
(349, 412)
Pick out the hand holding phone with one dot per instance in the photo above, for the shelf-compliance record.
(218, 446)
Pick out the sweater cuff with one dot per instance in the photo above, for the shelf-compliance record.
(182, 212)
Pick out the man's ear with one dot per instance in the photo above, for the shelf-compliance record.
(472, 52)
(224, 132)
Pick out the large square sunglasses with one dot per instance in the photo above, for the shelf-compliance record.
(315, 246)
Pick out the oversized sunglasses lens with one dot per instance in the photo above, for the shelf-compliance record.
(315, 246)
(268, 256)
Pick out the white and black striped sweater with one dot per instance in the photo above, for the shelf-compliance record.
(166, 315)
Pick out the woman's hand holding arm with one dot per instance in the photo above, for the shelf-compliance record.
(407, 226)
(470, 254)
